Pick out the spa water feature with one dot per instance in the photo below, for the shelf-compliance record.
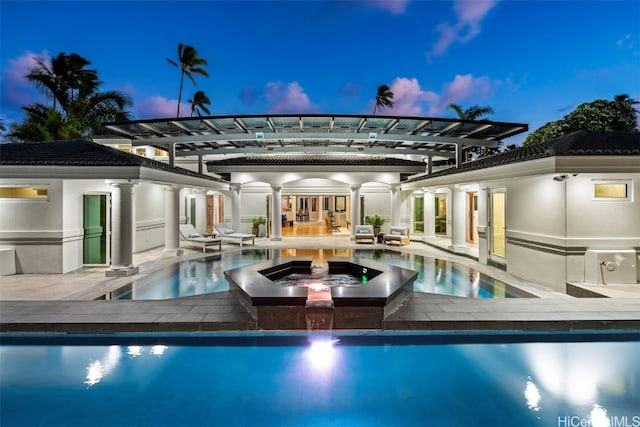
(343, 307)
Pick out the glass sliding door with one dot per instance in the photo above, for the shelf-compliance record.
(418, 214)
(498, 223)
(441, 214)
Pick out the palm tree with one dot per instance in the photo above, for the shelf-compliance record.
(472, 113)
(61, 78)
(384, 98)
(475, 112)
(199, 103)
(189, 64)
(78, 107)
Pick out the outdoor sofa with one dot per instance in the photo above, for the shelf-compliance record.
(397, 236)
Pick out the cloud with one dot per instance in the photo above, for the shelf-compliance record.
(408, 97)
(160, 107)
(625, 42)
(464, 87)
(393, 6)
(469, 14)
(16, 90)
(287, 98)
(411, 100)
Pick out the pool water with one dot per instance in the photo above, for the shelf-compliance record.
(321, 381)
(207, 275)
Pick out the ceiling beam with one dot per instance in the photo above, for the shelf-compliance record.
(322, 136)
(316, 150)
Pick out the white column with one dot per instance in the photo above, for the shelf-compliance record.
(458, 219)
(276, 213)
(355, 209)
(429, 213)
(395, 204)
(122, 230)
(201, 210)
(172, 219)
(235, 206)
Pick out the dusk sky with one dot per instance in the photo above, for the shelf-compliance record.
(531, 61)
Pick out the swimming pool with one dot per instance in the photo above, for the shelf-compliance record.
(342, 380)
(207, 275)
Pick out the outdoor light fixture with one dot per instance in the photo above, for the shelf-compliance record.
(562, 177)
(259, 136)
(372, 136)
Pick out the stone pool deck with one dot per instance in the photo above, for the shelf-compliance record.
(65, 303)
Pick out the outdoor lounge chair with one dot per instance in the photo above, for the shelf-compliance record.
(331, 226)
(228, 234)
(190, 234)
(365, 232)
(398, 236)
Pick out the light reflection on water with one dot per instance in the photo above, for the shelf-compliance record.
(207, 276)
(324, 382)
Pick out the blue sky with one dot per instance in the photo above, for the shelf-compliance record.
(531, 61)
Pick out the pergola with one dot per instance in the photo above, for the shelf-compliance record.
(245, 135)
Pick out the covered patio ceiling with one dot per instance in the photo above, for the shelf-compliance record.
(312, 133)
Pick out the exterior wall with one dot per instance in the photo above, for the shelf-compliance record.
(608, 224)
(73, 221)
(48, 235)
(148, 201)
(535, 218)
(551, 224)
(34, 228)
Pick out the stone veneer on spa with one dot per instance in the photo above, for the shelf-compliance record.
(283, 307)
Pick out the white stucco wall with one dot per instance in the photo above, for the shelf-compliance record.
(601, 224)
(148, 199)
(34, 227)
(73, 230)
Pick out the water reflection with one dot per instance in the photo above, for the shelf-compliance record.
(97, 369)
(196, 277)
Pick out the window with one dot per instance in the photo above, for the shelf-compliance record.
(418, 215)
(612, 190)
(341, 203)
(26, 192)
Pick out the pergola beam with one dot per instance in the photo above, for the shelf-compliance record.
(312, 136)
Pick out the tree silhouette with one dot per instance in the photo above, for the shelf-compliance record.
(189, 64)
(384, 98)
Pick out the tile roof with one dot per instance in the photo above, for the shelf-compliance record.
(580, 143)
(80, 153)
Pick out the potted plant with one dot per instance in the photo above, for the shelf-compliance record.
(257, 222)
(375, 220)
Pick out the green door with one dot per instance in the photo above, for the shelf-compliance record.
(95, 230)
